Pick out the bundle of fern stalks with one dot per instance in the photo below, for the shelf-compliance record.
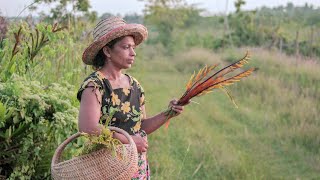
(206, 80)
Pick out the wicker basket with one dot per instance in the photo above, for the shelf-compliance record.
(101, 164)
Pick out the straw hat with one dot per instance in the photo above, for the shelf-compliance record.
(109, 29)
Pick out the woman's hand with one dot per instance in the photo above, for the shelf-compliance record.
(176, 108)
(141, 143)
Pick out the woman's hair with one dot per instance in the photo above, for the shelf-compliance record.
(99, 61)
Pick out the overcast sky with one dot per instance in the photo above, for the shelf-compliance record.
(14, 7)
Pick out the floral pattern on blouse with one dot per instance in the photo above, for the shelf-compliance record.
(126, 102)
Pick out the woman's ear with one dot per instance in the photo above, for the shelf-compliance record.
(106, 51)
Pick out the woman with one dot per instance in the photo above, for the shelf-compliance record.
(109, 91)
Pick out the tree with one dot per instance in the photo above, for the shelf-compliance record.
(238, 5)
(60, 12)
(168, 15)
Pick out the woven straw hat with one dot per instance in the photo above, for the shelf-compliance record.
(109, 29)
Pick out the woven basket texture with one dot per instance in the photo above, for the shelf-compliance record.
(101, 164)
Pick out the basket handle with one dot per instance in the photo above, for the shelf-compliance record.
(57, 154)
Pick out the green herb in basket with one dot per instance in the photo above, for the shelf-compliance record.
(105, 139)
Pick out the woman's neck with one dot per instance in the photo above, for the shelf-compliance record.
(115, 77)
(111, 73)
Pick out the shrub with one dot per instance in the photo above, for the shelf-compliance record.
(33, 120)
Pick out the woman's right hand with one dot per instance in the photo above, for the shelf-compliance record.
(141, 143)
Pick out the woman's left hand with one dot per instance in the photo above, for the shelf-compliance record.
(176, 108)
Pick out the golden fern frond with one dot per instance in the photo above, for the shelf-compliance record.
(205, 71)
(241, 62)
(227, 92)
(235, 78)
(233, 66)
(199, 84)
(204, 92)
(200, 73)
(212, 67)
(190, 82)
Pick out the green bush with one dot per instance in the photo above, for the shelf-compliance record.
(34, 119)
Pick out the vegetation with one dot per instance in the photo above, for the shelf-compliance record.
(274, 134)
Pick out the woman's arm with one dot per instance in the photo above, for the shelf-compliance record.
(151, 124)
(89, 113)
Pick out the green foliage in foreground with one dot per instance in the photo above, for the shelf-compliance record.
(34, 119)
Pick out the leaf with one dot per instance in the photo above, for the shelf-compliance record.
(190, 82)
(235, 78)
(2, 114)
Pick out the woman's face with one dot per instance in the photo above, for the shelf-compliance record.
(122, 54)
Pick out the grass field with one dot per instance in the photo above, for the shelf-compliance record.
(274, 134)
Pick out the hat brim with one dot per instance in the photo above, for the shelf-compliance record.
(138, 31)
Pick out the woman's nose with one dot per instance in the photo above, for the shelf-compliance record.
(132, 52)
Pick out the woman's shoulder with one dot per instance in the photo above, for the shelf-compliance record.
(134, 82)
(94, 80)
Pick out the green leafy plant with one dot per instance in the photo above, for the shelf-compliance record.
(105, 139)
(27, 43)
(34, 120)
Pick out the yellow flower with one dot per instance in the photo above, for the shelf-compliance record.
(137, 126)
(115, 100)
(126, 91)
(126, 107)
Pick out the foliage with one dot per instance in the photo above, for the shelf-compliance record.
(3, 29)
(60, 12)
(34, 120)
(103, 140)
(272, 135)
(271, 28)
(166, 16)
(133, 18)
(34, 117)
(27, 45)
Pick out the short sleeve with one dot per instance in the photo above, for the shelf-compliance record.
(96, 84)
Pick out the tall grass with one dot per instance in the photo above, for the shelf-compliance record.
(274, 134)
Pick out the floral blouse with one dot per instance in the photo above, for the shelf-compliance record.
(124, 103)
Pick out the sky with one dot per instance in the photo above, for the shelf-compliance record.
(14, 7)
